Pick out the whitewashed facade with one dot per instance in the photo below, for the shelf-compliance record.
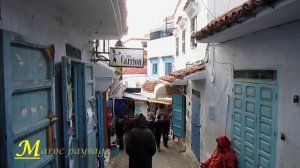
(268, 46)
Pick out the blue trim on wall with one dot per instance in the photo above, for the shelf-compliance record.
(154, 61)
(169, 59)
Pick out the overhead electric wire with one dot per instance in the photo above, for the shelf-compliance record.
(208, 9)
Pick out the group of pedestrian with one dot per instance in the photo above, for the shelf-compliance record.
(144, 138)
(160, 128)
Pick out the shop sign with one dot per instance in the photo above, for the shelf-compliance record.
(126, 57)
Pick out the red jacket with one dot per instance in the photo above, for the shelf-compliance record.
(223, 155)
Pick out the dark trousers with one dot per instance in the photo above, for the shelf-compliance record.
(157, 139)
(120, 140)
(165, 138)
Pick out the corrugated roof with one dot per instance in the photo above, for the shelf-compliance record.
(180, 74)
(167, 101)
(234, 16)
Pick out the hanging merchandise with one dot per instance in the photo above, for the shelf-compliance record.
(109, 117)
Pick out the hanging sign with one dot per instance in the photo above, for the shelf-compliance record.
(126, 57)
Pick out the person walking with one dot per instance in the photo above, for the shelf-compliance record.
(140, 146)
(165, 130)
(151, 123)
(223, 156)
(158, 125)
(120, 132)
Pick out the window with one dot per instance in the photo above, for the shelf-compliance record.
(168, 68)
(183, 41)
(194, 24)
(168, 62)
(73, 52)
(154, 69)
(155, 35)
(144, 44)
(177, 46)
(161, 33)
(154, 66)
(193, 30)
(255, 74)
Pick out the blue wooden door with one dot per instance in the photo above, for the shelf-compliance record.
(90, 117)
(178, 117)
(100, 125)
(26, 102)
(196, 126)
(254, 124)
(72, 112)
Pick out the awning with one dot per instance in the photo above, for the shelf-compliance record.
(197, 75)
(103, 75)
(174, 82)
(163, 90)
(135, 96)
(167, 101)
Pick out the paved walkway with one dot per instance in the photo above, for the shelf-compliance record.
(167, 158)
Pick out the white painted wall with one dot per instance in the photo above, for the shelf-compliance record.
(133, 43)
(132, 80)
(198, 85)
(159, 48)
(44, 28)
(45, 24)
(277, 49)
(192, 54)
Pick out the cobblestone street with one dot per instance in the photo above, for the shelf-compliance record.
(168, 158)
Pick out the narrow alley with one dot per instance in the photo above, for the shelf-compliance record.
(81, 78)
(172, 157)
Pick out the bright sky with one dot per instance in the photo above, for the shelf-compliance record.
(144, 14)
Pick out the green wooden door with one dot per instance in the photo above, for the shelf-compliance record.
(178, 117)
(254, 124)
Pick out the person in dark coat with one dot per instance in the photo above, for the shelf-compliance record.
(158, 131)
(140, 145)
(120, 131)
(151, 124)
(165, 130)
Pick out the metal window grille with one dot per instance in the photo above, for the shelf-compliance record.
(255, 74)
